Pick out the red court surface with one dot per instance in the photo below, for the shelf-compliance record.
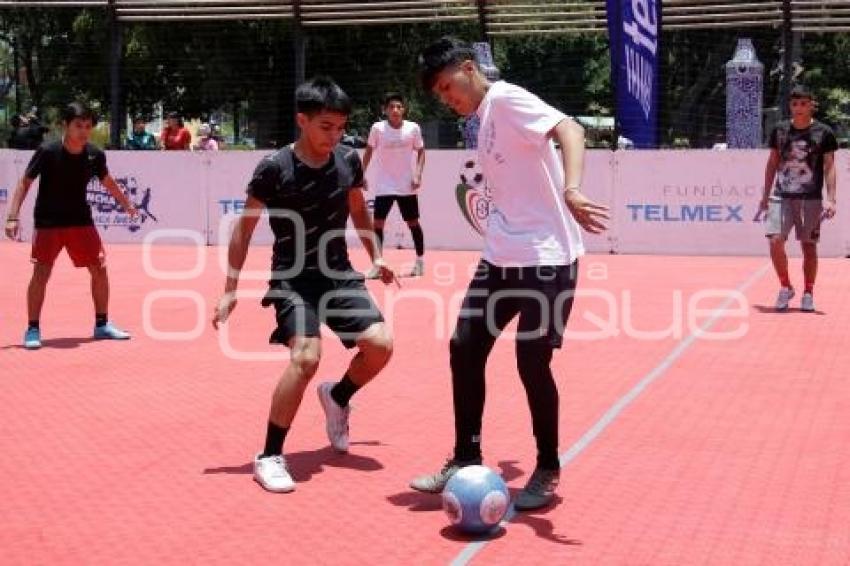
(678, 449)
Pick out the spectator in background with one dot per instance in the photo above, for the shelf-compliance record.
(215, 129)
(140, 138)
(175, 136)
(206, 139)
(15, 138)
(353, 139)
(27, 131)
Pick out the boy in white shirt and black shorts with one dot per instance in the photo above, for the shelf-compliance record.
(529, 266)
(392, 143)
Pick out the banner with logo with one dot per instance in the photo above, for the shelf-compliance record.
(662, 202)
(842, 168)
(698, 203)
(9, 176)
(229, 173)
(455, 201)
(634, 33)
(169, 189)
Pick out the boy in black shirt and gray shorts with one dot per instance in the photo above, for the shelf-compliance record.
(802, 157)
(310, 188)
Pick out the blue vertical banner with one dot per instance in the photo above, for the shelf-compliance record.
(634, 34)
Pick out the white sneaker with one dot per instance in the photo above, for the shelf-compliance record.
(784, 298)
(336, 418)
(807, 303)
(373, 273)
(271, 473)
(418, 268)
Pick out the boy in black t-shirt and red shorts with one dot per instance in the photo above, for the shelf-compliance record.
(63, 217)
(802, 158)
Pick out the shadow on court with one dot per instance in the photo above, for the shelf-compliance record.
(305, 464)
(56, 343)
(767, 309)
(543, 527)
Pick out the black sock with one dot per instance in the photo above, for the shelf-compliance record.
(33, 324)
(343, 391)
(100, 319)
(275, 436)
(418, 239)
(379, 233)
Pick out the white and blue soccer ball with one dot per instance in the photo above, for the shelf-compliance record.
(476, 499)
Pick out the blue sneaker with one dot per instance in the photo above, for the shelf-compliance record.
(110, 332)
(32, 339)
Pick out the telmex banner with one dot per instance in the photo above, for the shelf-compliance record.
(634, 32)
(662, 202)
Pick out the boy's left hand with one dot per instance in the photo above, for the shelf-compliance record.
(828, 209)
(587, 213)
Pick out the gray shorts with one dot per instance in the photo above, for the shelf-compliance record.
(804, 215)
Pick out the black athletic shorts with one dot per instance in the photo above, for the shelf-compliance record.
(408, 205)
(542, 296)
(303, 303)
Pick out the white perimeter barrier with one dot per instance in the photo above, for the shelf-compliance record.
(662, 202)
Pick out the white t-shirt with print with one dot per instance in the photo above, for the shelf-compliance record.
(529, 223)
(393, 157)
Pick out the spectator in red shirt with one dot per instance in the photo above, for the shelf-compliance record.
(175, 135)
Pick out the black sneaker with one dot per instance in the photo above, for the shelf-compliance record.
(434, 483)
(539, 491)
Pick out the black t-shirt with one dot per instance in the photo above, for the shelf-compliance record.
(800, 172)
(61, 200)
(318, 196)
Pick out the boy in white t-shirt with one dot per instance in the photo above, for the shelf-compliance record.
(529, 266)
(392, 143)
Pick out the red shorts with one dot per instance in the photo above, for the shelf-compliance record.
(83, 243)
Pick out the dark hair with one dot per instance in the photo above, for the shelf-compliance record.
(443, 53)
(321, 93)
(16, 121)
(175, 116)
(78, 110)
(137, 119)
(801, 91)
(393, 97)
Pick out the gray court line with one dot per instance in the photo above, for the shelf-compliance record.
(471, 549)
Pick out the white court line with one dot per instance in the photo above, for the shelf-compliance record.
(614, 411)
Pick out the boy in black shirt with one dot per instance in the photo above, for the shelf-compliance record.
(309, 189)
(802, 157)
(63, 217)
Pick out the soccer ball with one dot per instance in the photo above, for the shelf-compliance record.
(475, 499)
(471, 175)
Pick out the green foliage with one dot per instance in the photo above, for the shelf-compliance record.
(202, 69)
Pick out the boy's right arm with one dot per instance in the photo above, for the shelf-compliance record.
(769, 177)
(13, 224)
(237, 251)
(367, 157)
